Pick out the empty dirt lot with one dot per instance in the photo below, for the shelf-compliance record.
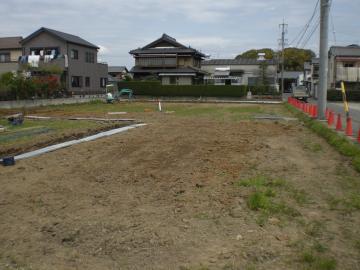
(203, 187)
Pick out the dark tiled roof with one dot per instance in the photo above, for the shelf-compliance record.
(10, 43)
(117, 69)
(352, 50)
(165, 38)
(166, 70)
(241, 61)
(178, 47)
(166, 51)
(64, 36)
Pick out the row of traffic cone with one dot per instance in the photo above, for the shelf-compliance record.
(330, 116)
(312, 111)
(348, 129)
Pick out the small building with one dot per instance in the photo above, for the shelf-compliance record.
(344, 65)
(118, 73)
(10, 51)
(242, 71)
(291, 78)
(167, 60)
(75, 57)
(311, 76)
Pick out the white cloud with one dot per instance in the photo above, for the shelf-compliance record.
(220, 28)
(205, 42)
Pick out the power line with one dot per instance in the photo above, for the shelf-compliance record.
(310, 35)
(302, 33)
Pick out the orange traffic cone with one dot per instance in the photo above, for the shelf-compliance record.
(339, 123)
(349, 130)
(331, 118)
(313, 111)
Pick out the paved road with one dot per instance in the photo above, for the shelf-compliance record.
(338, 107)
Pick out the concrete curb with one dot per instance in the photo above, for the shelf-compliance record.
(74, 142)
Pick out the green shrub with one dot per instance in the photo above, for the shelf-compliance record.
(156, 89)
(17, 86)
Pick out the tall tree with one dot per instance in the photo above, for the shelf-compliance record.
(294, 57)
(269, 53)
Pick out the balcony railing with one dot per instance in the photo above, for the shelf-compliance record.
(43, 63)
(348, 74)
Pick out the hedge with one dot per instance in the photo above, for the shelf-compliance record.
(336, 95)
(157, 89)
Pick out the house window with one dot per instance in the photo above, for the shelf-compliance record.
(348, 65)
(87, 81)
(103, 82)
(89, 57)
(74, 54)
(76, 81)
(4, 57)
(172, 80)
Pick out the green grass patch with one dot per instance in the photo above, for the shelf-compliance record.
(340, 143)
(347, 204)
(313, 147)
(353, 202)
(31, 129)
(313, 261)
(320, 247)
(233, 113)
(357, 245)
(264, 198)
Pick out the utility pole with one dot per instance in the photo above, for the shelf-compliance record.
(283, 27)
(324, 61)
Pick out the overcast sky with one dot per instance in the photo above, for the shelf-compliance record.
(222, 28)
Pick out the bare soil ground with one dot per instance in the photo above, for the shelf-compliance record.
(202, 188)
(50, 137)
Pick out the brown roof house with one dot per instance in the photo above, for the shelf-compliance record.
(75, 57)
(10, 51)
(168, 60)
